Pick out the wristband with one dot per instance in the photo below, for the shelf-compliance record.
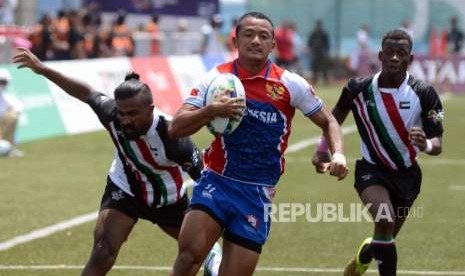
(429, 146)
(339, 158)
(323, 146)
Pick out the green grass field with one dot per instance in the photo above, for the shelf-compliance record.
(64, 177)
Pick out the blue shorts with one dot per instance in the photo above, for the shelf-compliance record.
(240, 208)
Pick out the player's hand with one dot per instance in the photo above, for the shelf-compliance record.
(225, 106)
(321, 161)
(338, 166)
(418, 137)
(26, 59)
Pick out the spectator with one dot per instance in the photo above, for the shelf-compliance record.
(212, 43)
(10, 109)
(41, 38)
(406, 26)
(361, 57)
(7, 11)
(318, 45)
(284, 36)
(454, 37)
(232, 34)
(154, 30)
(121, 37)
(60, 36)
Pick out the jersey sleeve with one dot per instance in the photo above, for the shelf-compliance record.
(349, 92)
(104, 107)
(432, 113)
(197, 95)
(303, 97)
(181, 151)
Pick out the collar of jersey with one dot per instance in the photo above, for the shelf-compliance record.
(242, 73)
(402, 86)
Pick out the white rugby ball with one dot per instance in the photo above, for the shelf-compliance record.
(231, 86)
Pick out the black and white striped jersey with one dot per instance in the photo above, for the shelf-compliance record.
(384, 117)
(150, 167)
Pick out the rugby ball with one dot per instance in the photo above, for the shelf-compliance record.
(231, 86)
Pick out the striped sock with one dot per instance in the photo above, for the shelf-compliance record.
(384, 252)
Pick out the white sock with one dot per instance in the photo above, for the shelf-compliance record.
(213, 260)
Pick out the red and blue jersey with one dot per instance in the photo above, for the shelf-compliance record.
(254, 152)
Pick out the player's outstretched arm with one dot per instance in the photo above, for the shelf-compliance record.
(26, 59)
(336, 164)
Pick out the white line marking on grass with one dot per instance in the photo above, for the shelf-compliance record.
(457, 188)
(314, 140)
(259, 269)
(448, 162)
(47, 231)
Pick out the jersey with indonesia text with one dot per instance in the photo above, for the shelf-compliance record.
(253, 153)
(384, 117)
(149, 167)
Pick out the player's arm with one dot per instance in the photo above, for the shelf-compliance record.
(189, 119)
(428, 138)
(431, 146)
(322, 156)
(181, 150)
(75, 88)
(332, 134)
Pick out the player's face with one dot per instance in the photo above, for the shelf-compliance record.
(395, 56)
(135, 116)
(255, 39)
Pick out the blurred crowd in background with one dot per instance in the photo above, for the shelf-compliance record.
(86, 33)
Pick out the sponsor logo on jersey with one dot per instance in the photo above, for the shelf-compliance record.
(117, 195)
(370, 103)
(274, 91)
(263, 116)
(436, 115)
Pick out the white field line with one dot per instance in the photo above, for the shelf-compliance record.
(61, 226)
(314, 140)
(457, 188)
(308, 270)
(448, 162)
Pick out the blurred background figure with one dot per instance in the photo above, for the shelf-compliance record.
(7, 11)
(121, 37)
(10, 110)
(231, 35)
(284, 51)
(154, 30)
(360, 60)
(454, 37)
(318, 47)
(212, 44)
(406, 26)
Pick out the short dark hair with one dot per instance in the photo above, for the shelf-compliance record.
(398, 34)
(253, 14)
(132, 87)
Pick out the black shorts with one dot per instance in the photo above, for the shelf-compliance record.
(171, 215)
(403, 185)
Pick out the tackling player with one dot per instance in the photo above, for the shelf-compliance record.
(145, 178)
